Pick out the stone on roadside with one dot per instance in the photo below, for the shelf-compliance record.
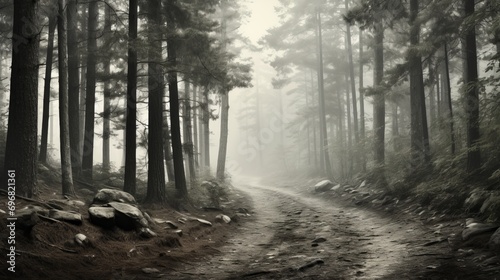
(81, 239)
(128, 217)
(102, 216)
(475, 229)
(323, 186)
(66, 216)
(203, 222)
(105, 196)
(223, 218)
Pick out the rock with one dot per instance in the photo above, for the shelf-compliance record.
(109, 195)
(27, 222)
(491, 206)
(223, 218)
(128, 217)
(363, 184)
(81, 239)
(337, 188)
(148, 270)
(182, 220)
(178, 232)
(102, 216)
(494, 242)
(147, 233)
(475, 229)
(475, 200)
(66, 203)
(203, 222)
(66, 216)
(323, 186)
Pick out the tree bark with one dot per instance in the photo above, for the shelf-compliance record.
(156, 174)
(420, 154)
(361, 102)
(130, 126)
(21, 146)
(46, 89)
(324, 140)
(65, 149)
(353, 87)
(379, 104)
(224, 126)
(188, 132)
(88, 142)
(106, 130)
(195, 126)
(167, 148)
(471, 94)
(447, 93)
(73, 88)
(180, 178)
(206, 130)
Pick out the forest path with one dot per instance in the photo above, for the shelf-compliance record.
(293, 235)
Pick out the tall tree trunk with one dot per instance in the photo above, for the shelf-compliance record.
(349, 128)
(195, 125)
(324, 140)
(315, 138)
(65, 149)
(88, 143)
(73, 88)
(169, 163)
(21, 146)
(379, 104)
(188, 141)
(420, 154)
(83, 84)
(432, 93)
(156, 174)
(471, 93)
(447, 93)
(353, 87)
(224, 115)
(361, 102)
(180, 178)
(206, 129)
(106, 130)
(224, 119)
(130, 126)
(46, 89)
(308, 124)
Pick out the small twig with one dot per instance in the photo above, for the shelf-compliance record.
(55, 246)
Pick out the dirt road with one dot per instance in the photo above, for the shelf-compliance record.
(293, 235)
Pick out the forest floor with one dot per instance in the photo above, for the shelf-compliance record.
(290, 233)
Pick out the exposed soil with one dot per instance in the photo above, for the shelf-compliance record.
(290, 233)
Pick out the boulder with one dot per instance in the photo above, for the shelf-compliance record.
(494, 242)
(102, 216)
(323, 186)
(128, 217)
(66, 203)
(337, 188)
(491, 206)
(66, 216)
(109, 195)
(475, 200)
(475, 229)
